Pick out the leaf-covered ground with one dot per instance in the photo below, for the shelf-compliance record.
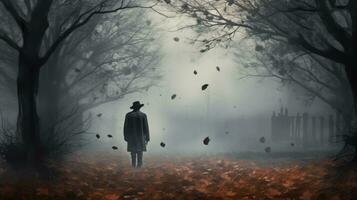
(110, 177)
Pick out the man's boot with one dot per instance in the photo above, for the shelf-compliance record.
(140, 159)
(133, 159)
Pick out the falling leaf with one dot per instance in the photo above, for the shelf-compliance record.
(234, 106)
(163, 129)
(109, 136)
(282, 72)
(259, 48)
(176, 39)
(114, 147)
(195, 72)
(77, 70)
(99, 115)
(218, 69)
(262, 139)
(292, 144)
(168, 1)
(227, 132)
(173, 96)
(162, 144)
(204, 87)
(206, 141)
(267, 149)
(97, 136)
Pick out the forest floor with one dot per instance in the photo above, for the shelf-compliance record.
(109, 176)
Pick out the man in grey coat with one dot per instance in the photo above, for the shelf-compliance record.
(136, 133)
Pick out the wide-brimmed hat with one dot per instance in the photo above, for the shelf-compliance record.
(136, 104)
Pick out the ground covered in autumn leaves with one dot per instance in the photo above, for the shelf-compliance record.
(110, 177)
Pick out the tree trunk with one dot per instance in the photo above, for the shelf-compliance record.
(48, 99)
(351, 72)
(28, 121)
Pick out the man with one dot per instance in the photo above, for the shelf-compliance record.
(136, 133)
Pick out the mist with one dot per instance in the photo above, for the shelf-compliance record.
(178, 99)
(234, 112)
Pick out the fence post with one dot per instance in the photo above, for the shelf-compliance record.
(330, 129)
(292, 127)
(338, 126)
(298, 126)
(273, 126)
(313, 130)
(305, 117)
(322, 129)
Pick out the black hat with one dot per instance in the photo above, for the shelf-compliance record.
(136, 104)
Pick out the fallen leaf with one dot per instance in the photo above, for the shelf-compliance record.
(111, 197)
(307, 195)
(42, 191)
(271, 192)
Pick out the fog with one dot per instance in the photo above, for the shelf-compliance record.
(233, 112)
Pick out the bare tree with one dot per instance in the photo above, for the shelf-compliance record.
(323, 28)
(32, 20)
(114, 57)
(312, 74)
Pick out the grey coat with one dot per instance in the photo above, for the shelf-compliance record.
(136, 131)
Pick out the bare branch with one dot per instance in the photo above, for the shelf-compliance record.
(4, 37)
(82, 20)
(16, 16)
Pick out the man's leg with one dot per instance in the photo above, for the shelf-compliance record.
(140, 159)
(133, 159)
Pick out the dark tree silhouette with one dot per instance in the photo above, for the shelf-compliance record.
(323, 28)
(111, 57)
(308, 74)
(32, 20)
